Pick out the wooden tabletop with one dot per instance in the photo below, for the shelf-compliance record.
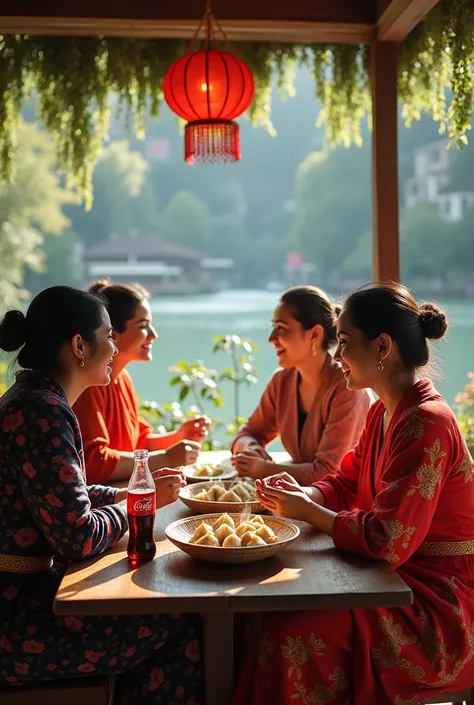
(310, 574)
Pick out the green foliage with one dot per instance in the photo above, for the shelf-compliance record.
(3, 378)
(30, 205)
(203, 385)
(76, 77)
(187, 220)
(122, 196)
(332, 191)
(465, 412)
(241, 371)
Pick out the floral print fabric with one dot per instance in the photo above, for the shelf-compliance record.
(46, 509)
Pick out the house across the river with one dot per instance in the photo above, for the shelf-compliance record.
(162, 267)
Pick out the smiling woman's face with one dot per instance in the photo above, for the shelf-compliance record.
(135, 343)
(358, 357)
(291, 341)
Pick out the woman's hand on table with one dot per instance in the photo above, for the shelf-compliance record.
(195, 429)
(168, 482)
(291, 502)
(251, 465)
(282, 495)
(182, 453)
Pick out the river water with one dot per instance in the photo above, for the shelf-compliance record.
(186, 326)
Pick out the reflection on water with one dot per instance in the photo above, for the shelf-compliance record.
(187, 324)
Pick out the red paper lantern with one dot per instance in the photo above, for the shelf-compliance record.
(209, 89)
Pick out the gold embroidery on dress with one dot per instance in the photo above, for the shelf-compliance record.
(393, 530)
(414, 424)
(465, 467)
(389, 655)
(353, 526)
(430, 473)
(415, 700)
(299, 653)
(447, 666)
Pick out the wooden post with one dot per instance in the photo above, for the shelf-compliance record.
(385, 218)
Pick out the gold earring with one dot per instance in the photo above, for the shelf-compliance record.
(314, 349)
(82, 362)
(380, 365)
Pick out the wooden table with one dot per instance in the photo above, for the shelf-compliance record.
(310, 574)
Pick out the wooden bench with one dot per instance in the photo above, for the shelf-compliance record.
(458, 698)
(73, 691)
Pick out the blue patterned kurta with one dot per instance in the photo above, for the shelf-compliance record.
(47, 509)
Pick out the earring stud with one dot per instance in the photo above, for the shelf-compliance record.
(82, 362)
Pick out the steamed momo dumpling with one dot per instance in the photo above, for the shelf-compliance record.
(247, 537)
(201, 531)
(208, 540)
(240, 490)
(255, 540)
(224, 519)
(223, 532)
(202, 495)
(232, 541)
(230, 496)
(203, 471)
(243, 528)
(257, 519)
(250, 488)
(215, 493)
(267, 534)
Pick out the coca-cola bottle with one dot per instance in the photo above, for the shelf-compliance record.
(141, 507)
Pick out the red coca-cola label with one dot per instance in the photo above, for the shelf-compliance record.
(141, 503)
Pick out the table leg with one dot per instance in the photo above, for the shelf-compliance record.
(218, 657)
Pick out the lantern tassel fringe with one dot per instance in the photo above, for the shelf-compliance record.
(212, 142)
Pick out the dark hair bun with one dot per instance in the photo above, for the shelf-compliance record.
(337, 308)
(12, 331)
(98, 286)
(433, 321)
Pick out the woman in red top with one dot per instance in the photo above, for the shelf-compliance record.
(405, 495)
(110, 422)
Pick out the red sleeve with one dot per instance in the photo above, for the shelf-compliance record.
(346, 420)
(262, 423)
(340, 490)
(100, 459)
(418, 463)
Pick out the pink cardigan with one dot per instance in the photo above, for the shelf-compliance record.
(332, 427)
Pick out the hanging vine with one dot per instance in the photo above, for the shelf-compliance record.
(79, 81)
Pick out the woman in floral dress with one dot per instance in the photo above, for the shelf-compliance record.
(49, 517)
(405, 495)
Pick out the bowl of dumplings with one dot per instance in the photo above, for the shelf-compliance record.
(225, 496)
(232, 538)
(208, 471)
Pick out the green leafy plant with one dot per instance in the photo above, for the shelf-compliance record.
(193, 380)
(168, 417)
(241, 372)
(78, 79)
(465, 412)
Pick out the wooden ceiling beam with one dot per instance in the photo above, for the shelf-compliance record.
(343, 21)
(236, 30)
(397, 18)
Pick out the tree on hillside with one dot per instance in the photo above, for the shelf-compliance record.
(31, 205)
(122, 197)
(423, 236)
(188, 221)
(333, 205)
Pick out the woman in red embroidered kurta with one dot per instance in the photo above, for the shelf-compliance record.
(404, 495)
(306, 403)
(111, 425)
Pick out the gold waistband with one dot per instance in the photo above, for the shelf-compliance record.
(24, 564)
(446, 548)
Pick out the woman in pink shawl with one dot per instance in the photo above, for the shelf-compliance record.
(306, 402)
